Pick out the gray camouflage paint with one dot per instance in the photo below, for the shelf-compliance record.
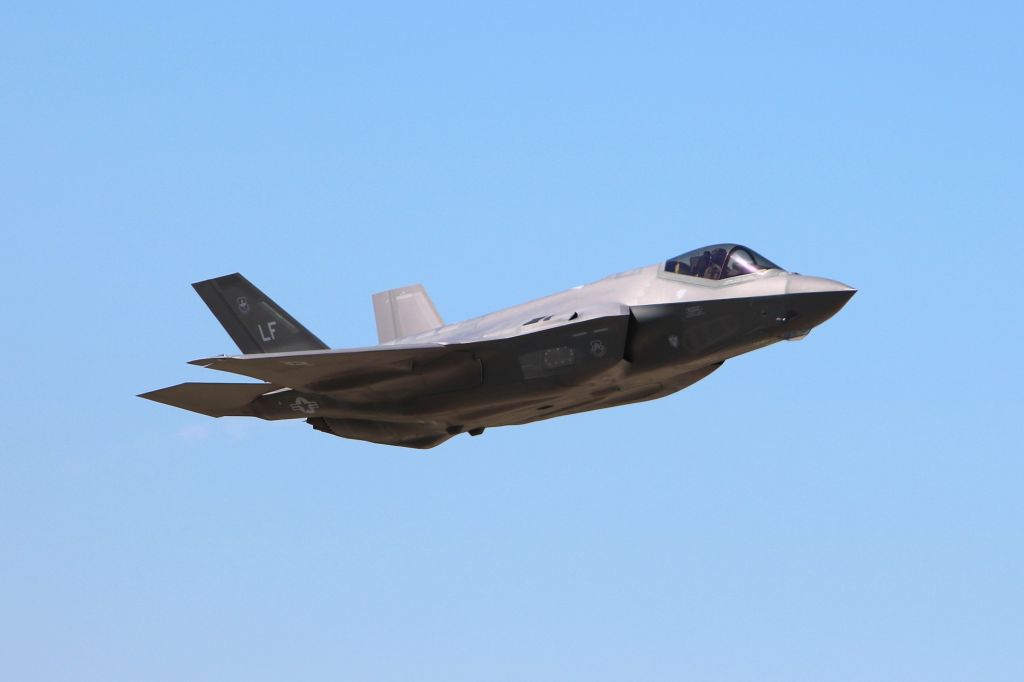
(634, 336)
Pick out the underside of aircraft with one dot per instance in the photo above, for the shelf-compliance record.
(634, 336)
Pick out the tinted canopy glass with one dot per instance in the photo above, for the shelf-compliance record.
(720, 261)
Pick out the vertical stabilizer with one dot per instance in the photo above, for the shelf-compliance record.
(404, 312)
(252, 319)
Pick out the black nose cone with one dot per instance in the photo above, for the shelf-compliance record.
(807, 310)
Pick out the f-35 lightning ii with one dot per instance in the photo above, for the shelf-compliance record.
(634, 336)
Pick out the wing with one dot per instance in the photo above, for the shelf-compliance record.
(347, 370)
(568, 354)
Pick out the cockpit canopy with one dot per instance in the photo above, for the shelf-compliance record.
(720, 261)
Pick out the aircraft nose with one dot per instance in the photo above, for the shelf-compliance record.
(812, 300)
(802, 284)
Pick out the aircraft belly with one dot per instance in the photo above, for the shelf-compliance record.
(629, 390)
(524, 371)
(667, 347)
(568, 369)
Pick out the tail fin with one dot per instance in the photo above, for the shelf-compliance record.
(252, 319)
(404, 312)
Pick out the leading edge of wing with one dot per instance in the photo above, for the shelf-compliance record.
(322, 367)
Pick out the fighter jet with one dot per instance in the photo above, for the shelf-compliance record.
(630, 337)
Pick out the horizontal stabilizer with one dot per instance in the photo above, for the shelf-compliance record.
(214, 400)
(404, 312)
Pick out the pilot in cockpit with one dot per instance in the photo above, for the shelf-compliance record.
(719, 262)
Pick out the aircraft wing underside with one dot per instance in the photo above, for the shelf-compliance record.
(330, 370)
(434, 367)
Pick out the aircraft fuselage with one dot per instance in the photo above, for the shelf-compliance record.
(634, 336)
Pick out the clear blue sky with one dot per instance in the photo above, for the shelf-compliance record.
(845, 508)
